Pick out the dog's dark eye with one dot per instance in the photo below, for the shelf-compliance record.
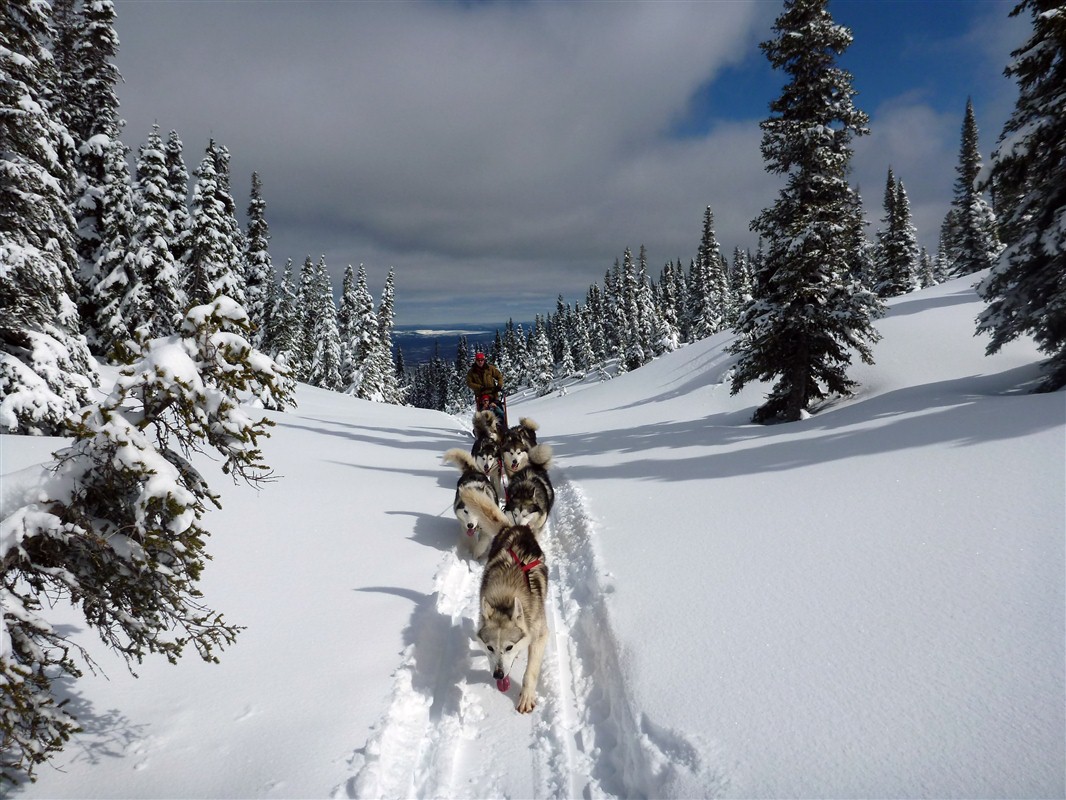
(491, 648)
(510, 647)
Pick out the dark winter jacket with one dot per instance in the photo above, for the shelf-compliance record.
(485, 379)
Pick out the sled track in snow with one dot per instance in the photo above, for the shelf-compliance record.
(447, 731)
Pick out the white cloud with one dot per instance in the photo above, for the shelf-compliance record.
(521, 145)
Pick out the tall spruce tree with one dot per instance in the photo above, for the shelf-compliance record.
(210, 266)
(96, 125)
(178, 202)
(286, 332)
(120, 297)
(969, 232)
(392, 388)
(233, 243)
(363, 331)
(708, 286)
(259, 275)
(45, 367)
(150, 240)
(896, 261)
(807, 315)
(325, 367)
(1026, 290)
(543, 366)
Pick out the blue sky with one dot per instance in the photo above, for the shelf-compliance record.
(499, 154)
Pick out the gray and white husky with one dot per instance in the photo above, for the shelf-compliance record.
(516, 444)
(486, 453)
(471, 535)
(514, 586)
(530, 497)
(530, 494)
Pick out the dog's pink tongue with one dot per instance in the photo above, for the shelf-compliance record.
(503, 684)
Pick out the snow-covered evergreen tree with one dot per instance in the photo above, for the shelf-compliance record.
(95, 125)
(543, 364)
(708, 287)
(259, 276)
(632, 350)
(740, 283)
(66, 94)
(969, 232)
(458, 392)
(325, 367)
(286, 334)
(117, 527)
(392, 388)
(178, 202)
(233, 244)
(362, 330)
(582, 350)
(150, 240)
(45, 367)
(926, 270)
(897, 253)
(120, 297)
(347, 329)
(210, 265)
(807, 316)
(1026, 289)
(669, 305)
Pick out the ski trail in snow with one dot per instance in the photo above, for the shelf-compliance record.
(413, 748)
(448, 732)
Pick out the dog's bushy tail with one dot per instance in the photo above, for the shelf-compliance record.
(488, 512)
(529, 424)
(460, 458)
(541, 455)
(485, 423)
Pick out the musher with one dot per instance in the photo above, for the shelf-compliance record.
(486, 382)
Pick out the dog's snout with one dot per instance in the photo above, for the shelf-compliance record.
(497, 674)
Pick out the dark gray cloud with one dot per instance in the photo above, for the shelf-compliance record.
(497, 154)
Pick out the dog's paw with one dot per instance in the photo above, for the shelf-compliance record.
(526, 702)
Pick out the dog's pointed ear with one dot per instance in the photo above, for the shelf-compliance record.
(517, 614)
(486, 609)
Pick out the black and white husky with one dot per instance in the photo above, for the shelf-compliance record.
(517, 444)
(530, 494)
(472, 534)
(514, 586)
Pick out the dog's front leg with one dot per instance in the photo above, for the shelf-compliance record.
(527, 701)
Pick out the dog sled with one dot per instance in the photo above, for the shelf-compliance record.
(498, 406)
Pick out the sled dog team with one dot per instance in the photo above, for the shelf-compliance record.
(508, 465)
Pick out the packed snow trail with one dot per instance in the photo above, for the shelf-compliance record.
(448, 732)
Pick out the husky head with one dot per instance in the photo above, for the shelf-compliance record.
(525, 505)
(486, 456)
(504, 633)
(466, 517)
(515, 456)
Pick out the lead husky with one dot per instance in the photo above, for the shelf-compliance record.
(513, 588)
(471, 535)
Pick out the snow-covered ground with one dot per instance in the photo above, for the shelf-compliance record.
(867, 603)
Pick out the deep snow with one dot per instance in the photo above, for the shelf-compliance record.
(869, 602)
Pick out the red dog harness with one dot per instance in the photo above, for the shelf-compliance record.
(524, 567)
